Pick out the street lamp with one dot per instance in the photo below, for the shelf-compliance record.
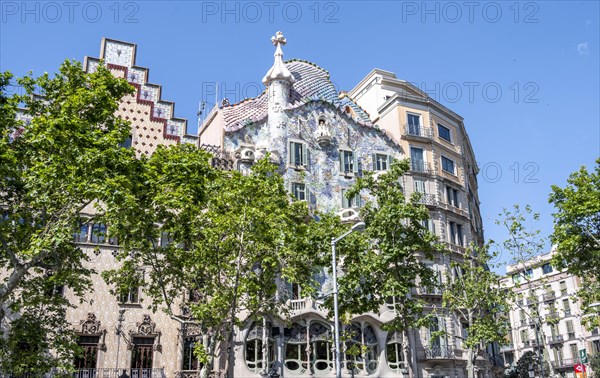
(360, 226)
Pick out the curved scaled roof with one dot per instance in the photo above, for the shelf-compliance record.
(311, 84)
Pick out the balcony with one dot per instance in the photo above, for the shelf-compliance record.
(564, 363)
(421, 167)
(429, 291)
(556, 339)
(427, 199)
(552, 316)
(418, 131)
(507, 348)
(530, 343)
(438, 352)
(187, 374)
(549, 296)
(116, 373)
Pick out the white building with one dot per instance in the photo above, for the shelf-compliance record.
(547, 316)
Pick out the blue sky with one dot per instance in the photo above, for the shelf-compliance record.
(524, 75)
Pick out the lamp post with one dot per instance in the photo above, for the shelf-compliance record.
(360, 226)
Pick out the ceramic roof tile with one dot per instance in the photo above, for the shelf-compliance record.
(311, 84)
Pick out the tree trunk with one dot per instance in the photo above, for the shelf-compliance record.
(210, 352)
(470, 363)
(406, 351)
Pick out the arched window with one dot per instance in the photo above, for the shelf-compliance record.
(362, 352)
(296, 360)
(393, 351)
(322, 356)
(254, 349)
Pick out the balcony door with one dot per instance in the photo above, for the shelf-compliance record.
(89, 357)
(416, 159)
(142, 353)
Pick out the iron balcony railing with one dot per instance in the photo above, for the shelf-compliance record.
(530, 343)
(555, 339)
(418, 131)
(119, 373)
(430, 291)
(564, 363)
(506, 348)
(427, 199)
(421, 167)
(438, 352)
(96, 373)
(549, 296)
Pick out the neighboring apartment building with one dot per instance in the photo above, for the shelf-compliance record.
(546, 316)
(322, 140)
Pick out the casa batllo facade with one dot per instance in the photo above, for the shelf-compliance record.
(321, 141)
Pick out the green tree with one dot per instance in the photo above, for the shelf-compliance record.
(595, 364)
(474, 292)
(387, 259)
(66, 157)
(232, 238)
(529, 361)
(577, 230)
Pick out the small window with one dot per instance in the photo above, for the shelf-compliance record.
(448, 165)
(381, 162)
(452, 227)
(299, 191)
(547, 268)
(413, 120)
(298, 154)
(350, 202)
(98, 233)
(459, 235)
(82, 235)
(563, 287)
(131, 296)
(452, 196)
(348, 162)
(166, 238)
(189, 361)
(420, 186)
(516, 278)
(444, 132)
(127, 142)
(528, 273)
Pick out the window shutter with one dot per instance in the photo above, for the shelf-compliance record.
(374, 156)
(570, 328)
(304, 155)
(390, 159)
(341, 154)
(354, 162)
(431, 226)
(292, 153)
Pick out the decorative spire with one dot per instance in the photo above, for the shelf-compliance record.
(279, 70)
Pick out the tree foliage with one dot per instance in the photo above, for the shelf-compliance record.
(67, 156)
(387, 259)
(577, 229)
(231, 239)
(473, 291)
(529, 361)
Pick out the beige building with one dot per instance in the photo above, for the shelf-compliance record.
(323, 141)
(547, 317)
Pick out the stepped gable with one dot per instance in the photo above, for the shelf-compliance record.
(152, 119)
(311, 84)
